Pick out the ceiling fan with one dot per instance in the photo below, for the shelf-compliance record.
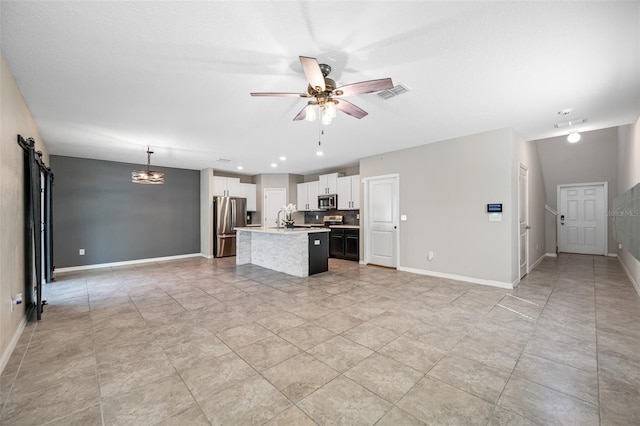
(324, 92)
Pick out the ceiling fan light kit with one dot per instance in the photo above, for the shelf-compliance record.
(325, 91)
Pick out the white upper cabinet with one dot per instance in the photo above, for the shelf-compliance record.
(307, 196)
(349, 193)
(328, 184)
(226, 186)
(248, 191)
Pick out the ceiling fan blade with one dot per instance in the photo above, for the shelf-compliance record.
(312, 72)
(351, 109)
(287, 95)
(301, 115)
(364, 87)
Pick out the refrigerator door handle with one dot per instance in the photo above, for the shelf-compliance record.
(233, 215)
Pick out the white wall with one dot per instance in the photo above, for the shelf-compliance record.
(206, 212)
(15, 119)
(444, 190)
(628, 177)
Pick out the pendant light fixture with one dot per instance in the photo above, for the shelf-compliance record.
(148, 176)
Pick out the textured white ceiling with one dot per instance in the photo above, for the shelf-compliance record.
(104, 79)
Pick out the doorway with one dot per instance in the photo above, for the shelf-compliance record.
(523, 220)
(274, 200)
(582, 225)
(381, 220)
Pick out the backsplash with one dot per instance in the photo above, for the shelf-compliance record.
(350, 217)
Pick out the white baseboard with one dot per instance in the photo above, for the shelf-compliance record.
(628, 272)
(207, 256)
(551, 254)
(362, 262)
(612, 255)
(537, 262)
(457, 277)
(127, 262)
(12, 344)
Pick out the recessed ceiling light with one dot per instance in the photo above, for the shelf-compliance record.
(274, 165)
(283, 158)
(240, 167)
(319, 153)
(573, 137)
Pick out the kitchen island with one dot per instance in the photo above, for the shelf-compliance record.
(299, 251)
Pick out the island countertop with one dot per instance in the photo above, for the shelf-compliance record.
(295, 251)
(282, 231)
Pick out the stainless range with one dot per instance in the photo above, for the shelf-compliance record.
(332, 220)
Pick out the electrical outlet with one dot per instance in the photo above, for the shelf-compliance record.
(430, 255)
(81, 252)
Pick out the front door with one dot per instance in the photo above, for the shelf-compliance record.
(581, 218)
(274, 200)
(382, 221)
(523, 219)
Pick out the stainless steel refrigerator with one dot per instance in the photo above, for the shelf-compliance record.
(228, 213)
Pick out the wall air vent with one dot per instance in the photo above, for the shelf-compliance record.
(393, 92)
(570, 123)
(223, 160)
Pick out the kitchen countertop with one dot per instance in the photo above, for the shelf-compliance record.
(283, 231)
(345, 226)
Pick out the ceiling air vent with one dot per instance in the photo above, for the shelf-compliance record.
(394, 91)
(223, 160)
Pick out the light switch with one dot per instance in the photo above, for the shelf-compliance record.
(403, 217)
(316, 242)
(495, 217)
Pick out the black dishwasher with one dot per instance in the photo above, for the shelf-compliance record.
(318, 252)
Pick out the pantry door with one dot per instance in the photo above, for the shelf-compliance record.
(274, 200)
(381, 221)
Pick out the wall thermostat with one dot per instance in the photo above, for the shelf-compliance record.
(494, 208)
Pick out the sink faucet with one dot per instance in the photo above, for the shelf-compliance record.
(278, 218)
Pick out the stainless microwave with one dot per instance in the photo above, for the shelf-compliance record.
(328, 201)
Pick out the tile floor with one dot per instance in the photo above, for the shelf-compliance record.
(199, 342)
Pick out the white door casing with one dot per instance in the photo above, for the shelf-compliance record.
(523, 220)
(381, 221)
(582, 225)
(274, 200)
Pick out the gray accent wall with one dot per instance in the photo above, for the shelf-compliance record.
(593, 159)
(98, 208)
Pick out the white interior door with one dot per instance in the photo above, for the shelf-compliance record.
(382, 221)
(274, 200)
(523, 219)
(581, 218)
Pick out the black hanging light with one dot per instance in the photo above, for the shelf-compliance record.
(148, 176)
